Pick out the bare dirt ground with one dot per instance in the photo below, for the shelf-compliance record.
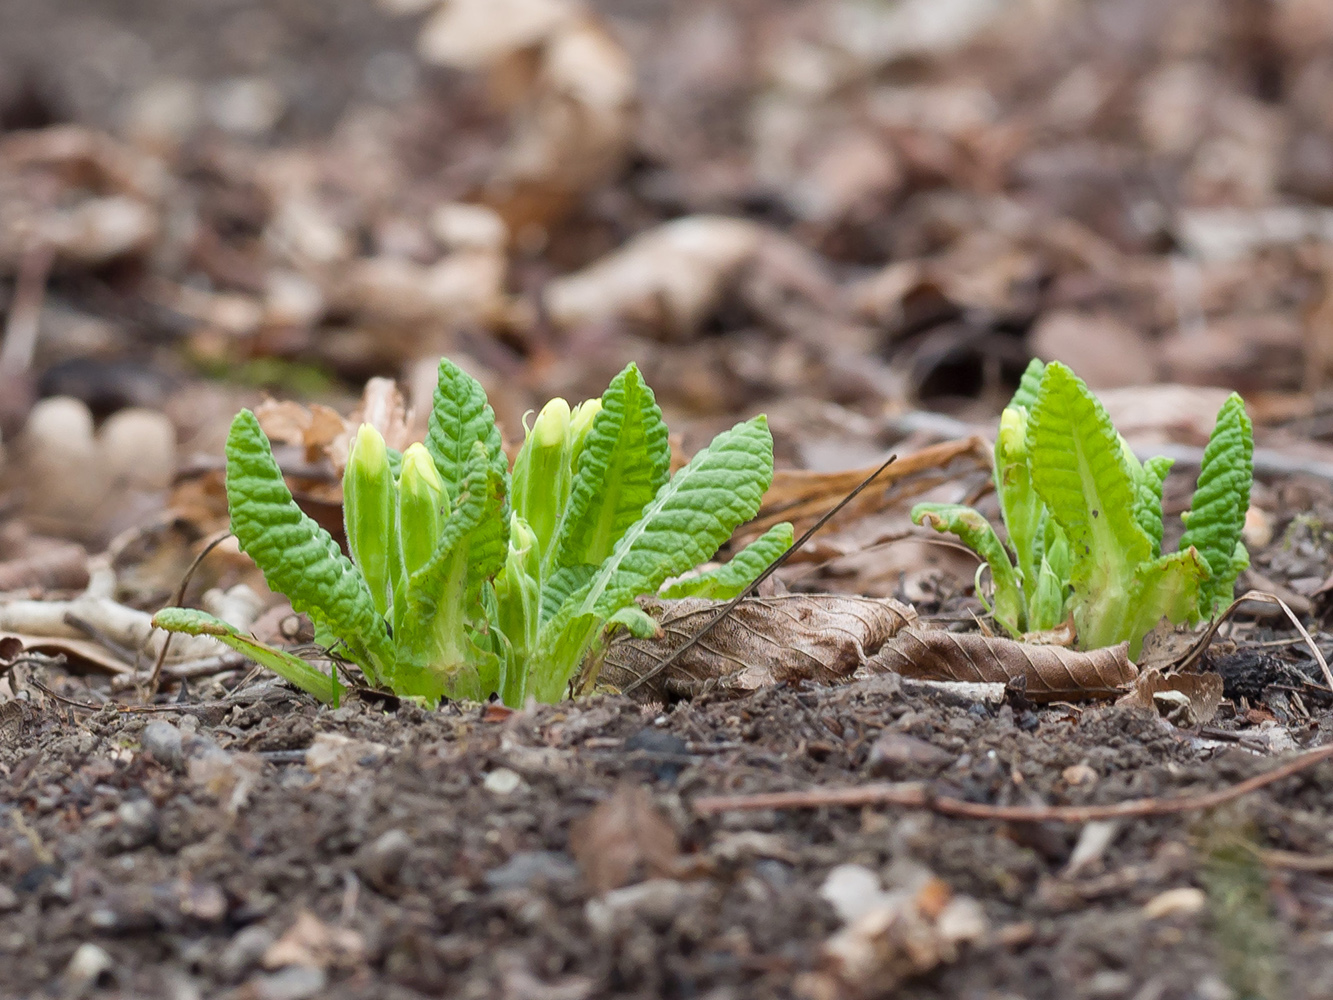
(873, 220)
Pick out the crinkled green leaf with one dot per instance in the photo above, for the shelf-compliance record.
(978, 535)
(625, 459)
(297, 557)
(561, 584)
(1079, 471)
(1167, 587)
(1221, 498)
(686, 523)
(444, 596)
(733, 576)
(290, 668)
(1148, 499)
(459, 418)
(1029, 384)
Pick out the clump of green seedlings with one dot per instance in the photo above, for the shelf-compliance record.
(468, 579)
(1084, 519)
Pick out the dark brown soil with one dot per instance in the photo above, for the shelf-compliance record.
(454, 889)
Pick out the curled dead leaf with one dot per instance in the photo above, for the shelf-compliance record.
(1051, 673)
(1197, 696)
(822, 638)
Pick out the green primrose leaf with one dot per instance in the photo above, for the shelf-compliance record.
(977, 534)
(1148, 499)
(542, 473)
(732, 577)
(691, 516)
(290, 668)
(1028, 385)
(1080, 473)
(368, 513)
(459, 418)
(444, 596)
(1023, 512)
(636, 622)
(624, 461)
(298, 557)
(1221, 499)
(560, 585)
(1167, 587)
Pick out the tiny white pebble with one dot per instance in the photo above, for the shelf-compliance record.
(502, 781)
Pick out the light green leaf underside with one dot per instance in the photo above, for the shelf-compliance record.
(1080, 474)
(732, 577)
(1166, 587)
(297, 557)
(626, 458)
(290, 668)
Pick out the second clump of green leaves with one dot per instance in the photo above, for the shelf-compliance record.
(467, 579)
(1084, 519)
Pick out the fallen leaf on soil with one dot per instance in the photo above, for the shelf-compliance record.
(1050, 673)
(801, 496)
(1197, 701)
(822, 638)
(314, 944)
(624, 840)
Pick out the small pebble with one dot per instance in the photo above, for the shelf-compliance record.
(502, 781)
(383, 859)
(527, 867)
(296, 982)
(137, 823)
(163, 741)
(244, 951)
(9, 899)
(86, 966)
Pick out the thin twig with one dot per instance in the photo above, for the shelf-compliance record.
(25, 310)
(731, 605)
(917, 795)
(155, 678)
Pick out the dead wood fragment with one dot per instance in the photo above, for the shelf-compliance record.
(765, 640)
(1051, 673)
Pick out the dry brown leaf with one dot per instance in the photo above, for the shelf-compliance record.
(801, 496)
(766, 640)
(1050, 673)
(1200, 696)
(624, 840)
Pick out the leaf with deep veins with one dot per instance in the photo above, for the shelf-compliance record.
(729, 579)
(1080, 474)
(298, 557)
(459, 418)
(1221, 499)
(625, 459)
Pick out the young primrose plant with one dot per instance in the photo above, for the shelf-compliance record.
(1084, 519)
(467, 580)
